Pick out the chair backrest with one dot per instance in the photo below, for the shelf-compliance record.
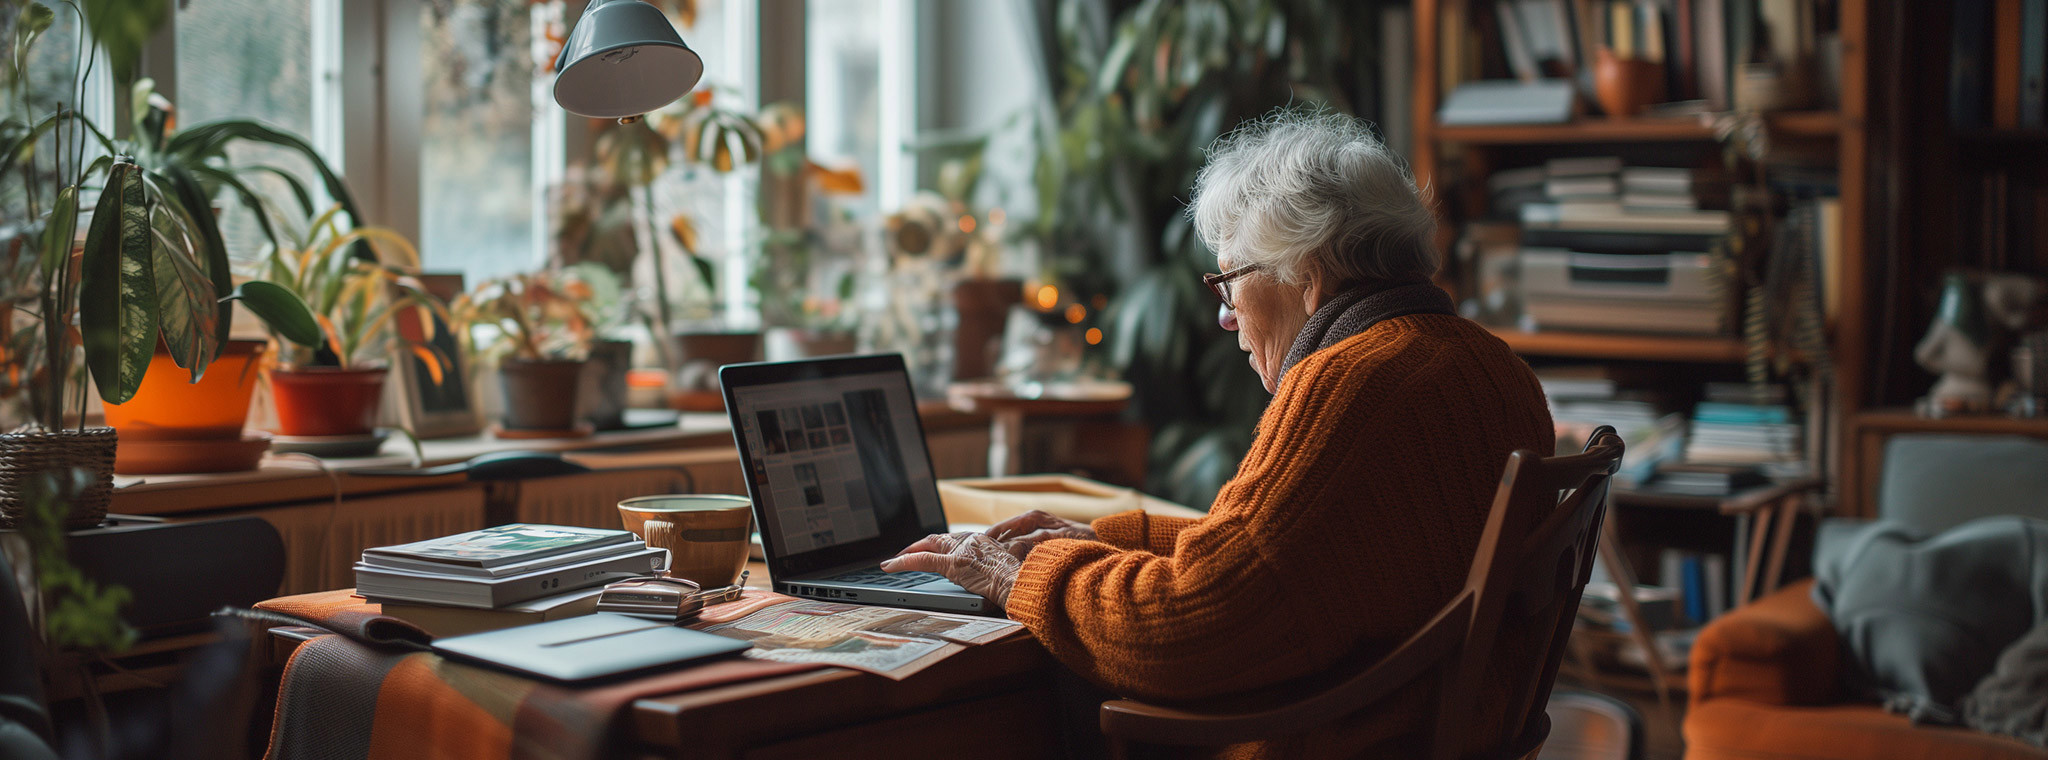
(1532, 566)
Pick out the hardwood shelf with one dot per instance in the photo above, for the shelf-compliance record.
(1589, 130)
(1698, 129)
(1896, 420)
(1669, 348)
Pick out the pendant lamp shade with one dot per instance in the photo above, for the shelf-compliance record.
(623, 59)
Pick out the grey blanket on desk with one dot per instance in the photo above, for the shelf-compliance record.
(1923, 620)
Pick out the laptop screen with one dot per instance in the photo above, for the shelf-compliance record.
(836, 459)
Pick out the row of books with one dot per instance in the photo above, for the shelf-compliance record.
(1738, 437)
(501, 576)
(1701, 45)
(1998, 64)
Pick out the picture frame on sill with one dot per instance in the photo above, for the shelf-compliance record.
(447, 409)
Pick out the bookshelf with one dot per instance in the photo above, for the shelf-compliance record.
(1449, 160)
(1665, 348)
(1818, 124)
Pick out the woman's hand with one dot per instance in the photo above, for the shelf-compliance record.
(1019, 534)
(978, 563)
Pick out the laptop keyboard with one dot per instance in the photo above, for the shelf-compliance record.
(875, 577)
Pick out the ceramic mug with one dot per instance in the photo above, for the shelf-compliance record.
(705, 535)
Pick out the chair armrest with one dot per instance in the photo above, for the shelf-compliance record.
(1752, 501)
(1780, 650)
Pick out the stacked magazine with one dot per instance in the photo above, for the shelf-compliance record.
(504, 565)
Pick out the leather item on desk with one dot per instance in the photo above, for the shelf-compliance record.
(594, 646)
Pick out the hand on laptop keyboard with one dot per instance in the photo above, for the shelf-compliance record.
(978, 563)
(1023, 532)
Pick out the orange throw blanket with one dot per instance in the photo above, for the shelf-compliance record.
(342, 700)
(1354, 517)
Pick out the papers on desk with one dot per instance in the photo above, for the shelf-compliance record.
(884, 641)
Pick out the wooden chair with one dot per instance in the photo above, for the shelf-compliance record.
(1536, 576)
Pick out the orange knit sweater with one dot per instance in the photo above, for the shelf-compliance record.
(1353, 518)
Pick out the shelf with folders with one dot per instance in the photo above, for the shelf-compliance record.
(1579, 345)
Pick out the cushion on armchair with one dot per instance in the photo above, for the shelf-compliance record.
(1922, 620)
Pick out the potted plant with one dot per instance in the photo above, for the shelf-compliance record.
(165, 408)
(542, 335)
(637, 155)
(603, 301)
(334, 386)
(145, 274)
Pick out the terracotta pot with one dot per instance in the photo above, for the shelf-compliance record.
(788, 343)
(604, 383)
(27, 457)
(540, 394)
(169, 406)
(1626, 86)
(984, 307)
(327, 401)
(698, 357)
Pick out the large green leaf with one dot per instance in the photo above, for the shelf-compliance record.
(280, 308)
(59, 231)
(188, 311)
(198, 209)
(30, 23)
(212, 138)
(117, 308)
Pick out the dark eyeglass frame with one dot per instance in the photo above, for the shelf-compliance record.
(1217, 283)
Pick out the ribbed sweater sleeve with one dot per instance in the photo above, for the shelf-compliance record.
(1206, 617)
(1141, 531)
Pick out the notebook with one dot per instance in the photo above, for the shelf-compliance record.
(587, 648)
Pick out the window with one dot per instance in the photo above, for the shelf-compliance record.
(858, 90)
(476, 148)
(272, 61)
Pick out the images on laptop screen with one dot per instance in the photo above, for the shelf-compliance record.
(837, 460)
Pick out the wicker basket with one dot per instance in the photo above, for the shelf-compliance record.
(26, 456)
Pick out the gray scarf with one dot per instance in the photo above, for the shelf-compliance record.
(1356, 310)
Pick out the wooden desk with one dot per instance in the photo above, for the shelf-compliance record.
(992, 701)
(995, 698)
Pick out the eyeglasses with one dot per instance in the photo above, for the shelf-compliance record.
(1220, 284)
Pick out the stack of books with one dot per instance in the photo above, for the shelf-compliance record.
(505, 566)
(1609, 247)
(1582, 399)
(1739, 425)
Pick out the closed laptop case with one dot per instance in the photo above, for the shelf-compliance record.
(589, 647)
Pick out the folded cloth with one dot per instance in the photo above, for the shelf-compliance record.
(368, 692)
(2013, 701)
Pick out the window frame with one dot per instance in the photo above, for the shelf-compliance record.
(368, 111)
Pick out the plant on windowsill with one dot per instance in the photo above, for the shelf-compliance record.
(144, 275)
(144, 290)
(700, 135)
(333, 385)
(539, 334)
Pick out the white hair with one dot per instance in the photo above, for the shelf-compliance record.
(1300, 188)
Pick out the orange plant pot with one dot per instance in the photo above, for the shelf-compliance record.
(169, 406)
(327, 401)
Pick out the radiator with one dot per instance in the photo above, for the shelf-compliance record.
(322, 541)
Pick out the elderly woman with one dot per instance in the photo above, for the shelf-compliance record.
(1356, 513)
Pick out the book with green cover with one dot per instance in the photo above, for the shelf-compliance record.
(504, 544)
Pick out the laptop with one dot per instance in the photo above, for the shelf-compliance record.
(835, 461)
